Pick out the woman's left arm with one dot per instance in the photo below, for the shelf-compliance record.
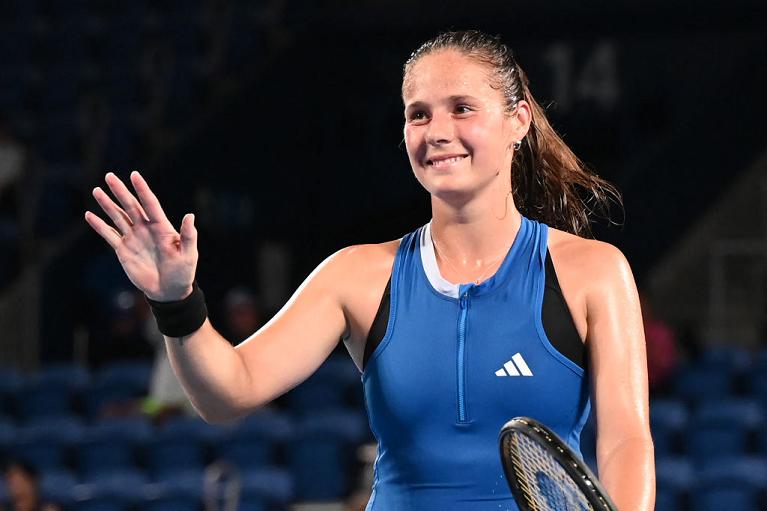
(625, 453)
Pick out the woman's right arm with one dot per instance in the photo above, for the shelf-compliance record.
(224, 382)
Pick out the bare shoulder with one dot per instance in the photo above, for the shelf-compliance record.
(595, 260)
(356, 264)
(361, 273)
(591, 273)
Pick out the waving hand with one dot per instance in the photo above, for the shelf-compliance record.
(159, 261)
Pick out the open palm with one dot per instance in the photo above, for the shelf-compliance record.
(159, 261)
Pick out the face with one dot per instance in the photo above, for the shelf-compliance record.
(20, 485)
(458, 135)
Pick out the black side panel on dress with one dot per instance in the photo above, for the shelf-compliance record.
(558, 322)
(380, 324)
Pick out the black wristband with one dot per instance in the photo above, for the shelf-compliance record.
(181, 317)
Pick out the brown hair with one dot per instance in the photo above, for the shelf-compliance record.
(549, 182)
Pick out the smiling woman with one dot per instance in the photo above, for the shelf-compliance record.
(495, 308)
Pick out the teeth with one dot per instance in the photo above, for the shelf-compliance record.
(439, 163)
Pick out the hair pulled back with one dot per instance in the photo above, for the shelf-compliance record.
(548, 181)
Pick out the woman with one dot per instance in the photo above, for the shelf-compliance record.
(486, 313)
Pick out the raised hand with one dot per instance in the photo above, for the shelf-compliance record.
(158, 260)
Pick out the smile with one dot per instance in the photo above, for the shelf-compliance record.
(444, 162)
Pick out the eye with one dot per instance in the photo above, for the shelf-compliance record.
(417, 116)
(463, 109)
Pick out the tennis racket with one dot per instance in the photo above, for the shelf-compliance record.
(544, 474)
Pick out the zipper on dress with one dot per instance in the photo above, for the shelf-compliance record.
(461, 356)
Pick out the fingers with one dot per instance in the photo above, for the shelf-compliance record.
(128, 202)
(147, 198)
(119, 217)
(188, 233)
(105, 231)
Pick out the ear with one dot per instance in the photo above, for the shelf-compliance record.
(520, 120)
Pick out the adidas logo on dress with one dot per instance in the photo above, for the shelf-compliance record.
(515, 367)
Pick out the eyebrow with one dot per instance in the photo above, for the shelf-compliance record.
(452, 99)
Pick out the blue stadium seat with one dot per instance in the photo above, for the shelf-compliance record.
(668, 417)
(694, 384)
(180, 491)
(73, 376)
(330, 437)
(112, 445)
(115, 383)
(45, 443)
(266, 487)
(328, 387)
(110, 491)
(7, 432)
(135, 375)
(756, 379)
(3, 491)
(674, 477)
(721, 428)
(730, 483)
(730, 358)
(181, 445)
(11, 382)
(57, 486)
(252, 443)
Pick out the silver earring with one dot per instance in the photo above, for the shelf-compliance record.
(517, 145)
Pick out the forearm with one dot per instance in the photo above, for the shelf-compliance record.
(627, 472)
(212, 373)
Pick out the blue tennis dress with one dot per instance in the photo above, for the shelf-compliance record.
(456, 363)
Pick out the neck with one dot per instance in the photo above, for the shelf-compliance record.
(476, 233)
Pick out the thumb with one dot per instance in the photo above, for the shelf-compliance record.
(188, 233)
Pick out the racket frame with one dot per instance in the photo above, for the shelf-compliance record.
(573, 466)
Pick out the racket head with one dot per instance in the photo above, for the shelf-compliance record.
(544, 474)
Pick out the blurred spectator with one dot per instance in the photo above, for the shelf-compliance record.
(124, 337)
(662, 349)
(23, 489)
(242, 314)
(357, 501)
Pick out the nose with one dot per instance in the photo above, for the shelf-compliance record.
(440, 130)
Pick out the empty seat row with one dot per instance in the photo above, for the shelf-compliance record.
(259, 489)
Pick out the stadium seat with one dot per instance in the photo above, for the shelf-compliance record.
(252, 443)
(269, 485)
(57, 485)
(180, 445)
(330, 437)
(115, 383)
(730, 483)
(725, 357)
(667, 418)
(110, 491)
(11, 382)
(73, 376)
(674, 477)
(179, 491)
(112, 445)
(49, 393)
(329, 387)
(721, 428)
(45, 443)
(693, 384)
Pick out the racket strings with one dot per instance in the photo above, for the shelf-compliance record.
(544, 483)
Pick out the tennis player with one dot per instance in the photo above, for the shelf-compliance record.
(501, 305)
